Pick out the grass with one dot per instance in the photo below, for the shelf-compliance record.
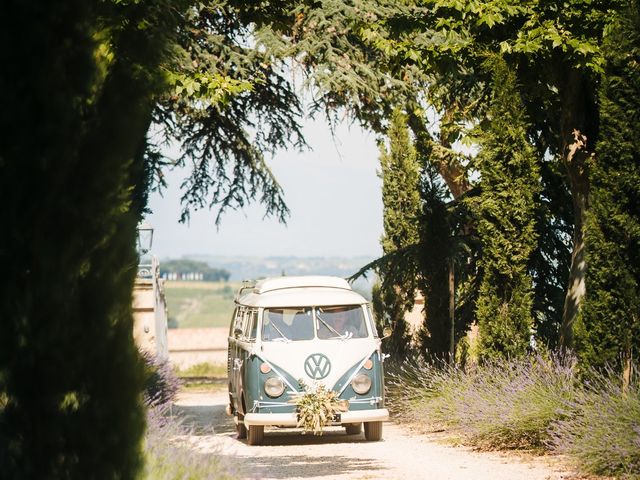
(204, 369)
(532, 403)
(209, 377)
(200, 304)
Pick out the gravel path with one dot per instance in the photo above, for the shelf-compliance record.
(286, 454)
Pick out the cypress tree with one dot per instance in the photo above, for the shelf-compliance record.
(399, 172)
(73, 185)
(437, 249)
(506, 226)
(608, 331)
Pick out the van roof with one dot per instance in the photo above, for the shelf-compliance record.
(299, 291)
(277, 283)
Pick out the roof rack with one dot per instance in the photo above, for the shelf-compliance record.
(246, 285)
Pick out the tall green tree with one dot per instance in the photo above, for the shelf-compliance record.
(435, 257)
(77, 160)
(506, 222)
(609, 329)
(438, 47)
(72, 180)
(399, 172)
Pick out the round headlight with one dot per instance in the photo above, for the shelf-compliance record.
(274, 387)
(361, 384)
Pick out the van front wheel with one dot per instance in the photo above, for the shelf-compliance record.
(373, 431)
(353, 428)
(240, 428)
(256, 435)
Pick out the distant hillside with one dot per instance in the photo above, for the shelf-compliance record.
(184, 269)
(251, 268)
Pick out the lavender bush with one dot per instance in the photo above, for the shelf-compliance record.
(161, 383)
(167, 456)
(499, 404)
(603, 432)
(534, 402)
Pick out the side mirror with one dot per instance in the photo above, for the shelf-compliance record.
(386, 332)
(237, 332)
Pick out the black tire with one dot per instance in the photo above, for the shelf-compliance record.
(353, 428)
(240, 428)
(256, 435)
(373, 431)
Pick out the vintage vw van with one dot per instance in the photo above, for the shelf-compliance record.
(315, 329)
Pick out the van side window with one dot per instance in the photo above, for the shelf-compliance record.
(238, 321)
(251, 325)
(233, 322)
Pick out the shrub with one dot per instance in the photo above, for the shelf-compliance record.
(161, 383)
(498, 404)
(168, 459)
(603, 432)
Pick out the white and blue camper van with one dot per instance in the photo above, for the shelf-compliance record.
(288, 331)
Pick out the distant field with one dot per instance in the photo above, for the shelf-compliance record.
(200, 304)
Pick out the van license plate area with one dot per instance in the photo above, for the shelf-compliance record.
(337, 418)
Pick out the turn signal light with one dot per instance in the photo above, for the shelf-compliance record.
(265, 368)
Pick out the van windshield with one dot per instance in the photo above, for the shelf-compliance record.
(328, 322)
(287, 324)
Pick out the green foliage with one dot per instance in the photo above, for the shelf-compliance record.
(506, 228)
(72, 179)
(184, 266)
(389, 312)
(549, 264)
(401, 206)
(228, 104)
(76, 167)
(399, 172)
(330, 40)
(609, 330)
(437, 246)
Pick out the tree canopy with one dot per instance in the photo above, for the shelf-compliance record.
(519, 158)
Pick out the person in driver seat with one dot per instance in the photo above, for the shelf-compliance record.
(337, 324)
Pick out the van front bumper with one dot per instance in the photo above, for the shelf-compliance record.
(291, 419)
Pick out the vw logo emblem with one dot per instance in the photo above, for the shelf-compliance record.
(317, 366)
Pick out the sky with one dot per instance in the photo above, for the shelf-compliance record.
(332, 191)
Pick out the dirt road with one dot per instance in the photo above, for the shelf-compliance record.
(286, 454)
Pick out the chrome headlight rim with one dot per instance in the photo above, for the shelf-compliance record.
(274, 387)
(361, 383)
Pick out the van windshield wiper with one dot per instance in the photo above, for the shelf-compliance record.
(286, 339)
(338, 334)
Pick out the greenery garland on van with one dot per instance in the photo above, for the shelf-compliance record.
(316, 406)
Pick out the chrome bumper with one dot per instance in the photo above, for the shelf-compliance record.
(291, 419)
